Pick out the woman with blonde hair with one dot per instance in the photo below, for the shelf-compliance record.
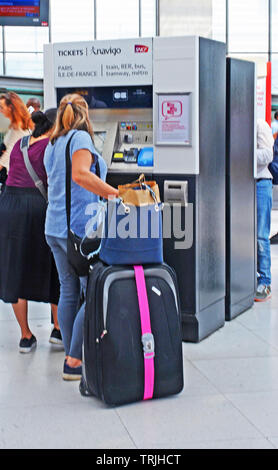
(14, 109)
(72, 123)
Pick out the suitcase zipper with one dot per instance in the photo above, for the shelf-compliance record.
(103, 334)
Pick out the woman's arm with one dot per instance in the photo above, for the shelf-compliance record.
(5, 159)
(81, 174)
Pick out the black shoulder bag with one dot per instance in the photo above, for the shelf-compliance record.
(77, 258)
(3, 172)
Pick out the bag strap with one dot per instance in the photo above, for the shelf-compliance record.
(68, 180)
(24, 145)
(147, 336)
(69, 177)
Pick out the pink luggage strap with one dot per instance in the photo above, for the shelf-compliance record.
(147, 336)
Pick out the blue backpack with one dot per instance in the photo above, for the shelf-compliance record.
(273, 166)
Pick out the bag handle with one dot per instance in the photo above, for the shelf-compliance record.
(140, 180)
(24, 145)
(69, 177)
(151, 191)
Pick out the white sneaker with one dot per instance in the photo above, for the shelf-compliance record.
(263, 293)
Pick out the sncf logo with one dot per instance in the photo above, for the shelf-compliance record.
(139, 48)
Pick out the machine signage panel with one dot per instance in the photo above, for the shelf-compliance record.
(174, 119)
(103, 63)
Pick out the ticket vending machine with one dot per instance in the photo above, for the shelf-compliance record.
(190, 168)
(158, 108)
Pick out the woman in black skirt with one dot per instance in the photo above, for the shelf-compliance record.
(27, 267)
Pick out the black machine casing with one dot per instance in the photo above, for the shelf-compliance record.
(241, 230)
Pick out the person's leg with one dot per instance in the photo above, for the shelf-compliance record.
(28, 340)
(55, 336)
(21, 312)
(69, 290)
(54, 310)
(264, 205)
(75, 353)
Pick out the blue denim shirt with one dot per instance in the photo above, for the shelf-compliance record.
(55, 165)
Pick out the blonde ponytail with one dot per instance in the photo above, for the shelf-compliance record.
(72, 114)
(68, 117)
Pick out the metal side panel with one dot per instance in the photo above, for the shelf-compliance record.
(240, 189)
(210, 183)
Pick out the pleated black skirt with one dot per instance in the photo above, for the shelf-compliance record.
(27, 267)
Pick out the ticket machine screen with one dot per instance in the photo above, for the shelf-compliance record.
(130, 97)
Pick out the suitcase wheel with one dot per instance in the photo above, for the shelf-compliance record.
(83, 389)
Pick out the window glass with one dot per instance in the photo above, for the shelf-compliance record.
(248, 26)
(1, 42)
(218, 20)
(72, 20)
(24, 65)
(274, 74)
(274, 26)
(148, 18)
(116, 20)
(25, 38)
(184, 17)
(205, 18)
(1, 64)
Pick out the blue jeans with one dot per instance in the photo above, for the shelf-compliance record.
(69, 317)
(264, 205)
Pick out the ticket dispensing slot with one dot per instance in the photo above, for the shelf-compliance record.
(132, 145)
(176, 192)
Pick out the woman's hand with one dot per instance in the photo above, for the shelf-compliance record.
(81, 174)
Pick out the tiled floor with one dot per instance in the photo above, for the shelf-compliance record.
(230, 398)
